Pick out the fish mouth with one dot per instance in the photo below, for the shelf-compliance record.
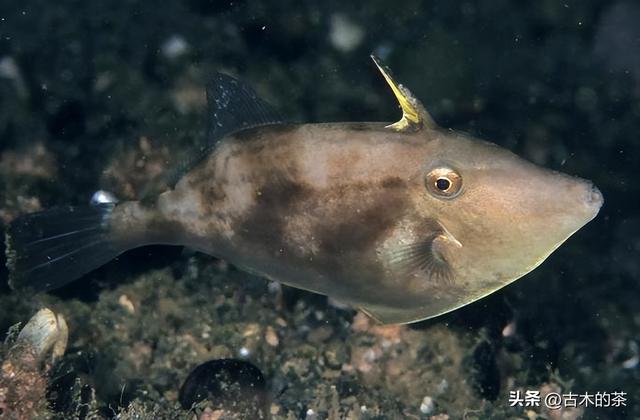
(593, 199)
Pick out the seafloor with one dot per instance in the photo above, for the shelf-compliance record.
(102, 94)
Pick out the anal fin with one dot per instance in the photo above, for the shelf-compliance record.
(388, 315)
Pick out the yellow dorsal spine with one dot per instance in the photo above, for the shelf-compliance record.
(414, 115)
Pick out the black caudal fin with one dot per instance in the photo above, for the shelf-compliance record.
(51, 248)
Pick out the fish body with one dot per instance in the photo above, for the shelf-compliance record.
(404, 221)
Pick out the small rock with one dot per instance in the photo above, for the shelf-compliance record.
(244, 352)
(209, 414)
(251, 330)
(271, 337)
(126, 303)
(320, 334)
(427, 405)
(335, 355)
(509, 330)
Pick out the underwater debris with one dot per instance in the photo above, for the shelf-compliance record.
(23, 375)
(230, 386)
(345, 35)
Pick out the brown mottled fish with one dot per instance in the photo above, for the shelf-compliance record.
(404, 221)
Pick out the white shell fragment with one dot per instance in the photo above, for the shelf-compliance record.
(47, 333)
(427, 405)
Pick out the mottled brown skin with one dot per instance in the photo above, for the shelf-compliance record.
(307, 213)
(334, 208)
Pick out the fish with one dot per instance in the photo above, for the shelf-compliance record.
(404, 221)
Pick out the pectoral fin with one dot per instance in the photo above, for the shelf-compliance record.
(414, 115)
(425, 257)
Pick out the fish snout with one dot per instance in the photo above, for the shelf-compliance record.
(580, 201)
(593, 196)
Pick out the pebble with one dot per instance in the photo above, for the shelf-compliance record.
(427, 405)
(271, 337)
(126, 303)
(311, 415)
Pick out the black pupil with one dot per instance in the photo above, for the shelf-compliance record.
(443, 184)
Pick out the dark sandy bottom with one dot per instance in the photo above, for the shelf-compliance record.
(109, 96)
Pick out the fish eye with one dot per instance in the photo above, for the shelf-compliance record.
(443, 182)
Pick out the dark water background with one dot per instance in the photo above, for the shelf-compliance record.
(103, 94)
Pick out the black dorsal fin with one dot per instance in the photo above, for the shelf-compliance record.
(232, 106)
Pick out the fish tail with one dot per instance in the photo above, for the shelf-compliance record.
(51, 248)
